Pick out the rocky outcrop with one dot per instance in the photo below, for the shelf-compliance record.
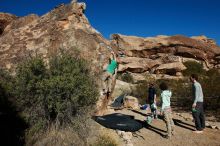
(135, 64)
(20, 22)
(204, 39)
(5, 19)
(165, 54)
(64, 28)
(170, 68)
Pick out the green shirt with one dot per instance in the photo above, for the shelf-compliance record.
(112, 66)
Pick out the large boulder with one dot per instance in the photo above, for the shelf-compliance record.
(122, 88)
(131, 102)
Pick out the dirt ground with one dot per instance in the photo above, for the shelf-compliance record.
(153, 135)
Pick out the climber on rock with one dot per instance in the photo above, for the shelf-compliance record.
(109, 73)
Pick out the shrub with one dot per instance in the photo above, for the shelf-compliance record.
(211, 86)
(11, 133)
(193, 67)
(56, 93)
(6, 82)
(29, 76)
(141, 91)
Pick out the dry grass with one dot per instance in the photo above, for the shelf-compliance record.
(58, 137)
(105, 140)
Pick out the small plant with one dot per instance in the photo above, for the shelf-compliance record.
(141, 92)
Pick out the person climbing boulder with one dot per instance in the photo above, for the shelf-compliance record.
(107, 77)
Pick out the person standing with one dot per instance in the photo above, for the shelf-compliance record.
(152, 100)
(166, 109)
(197, 107)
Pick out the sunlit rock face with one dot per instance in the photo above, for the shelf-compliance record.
(64, 28)
(5, 19)
(165, 54)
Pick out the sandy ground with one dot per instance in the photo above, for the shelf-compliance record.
(153, 135)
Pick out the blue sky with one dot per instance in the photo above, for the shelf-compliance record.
(137, 17)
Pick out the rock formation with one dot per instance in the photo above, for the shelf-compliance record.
(165, 54)
(64, 28)
(5, 19)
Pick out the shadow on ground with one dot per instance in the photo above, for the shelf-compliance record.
(155, 129)
(182, 124)
(12, 127)
(140, 113)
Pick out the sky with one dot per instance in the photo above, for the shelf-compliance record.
(145, 18)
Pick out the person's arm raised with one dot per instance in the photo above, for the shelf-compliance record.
(114, 55)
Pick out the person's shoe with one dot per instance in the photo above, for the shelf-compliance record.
(167, 137)
(198, 132)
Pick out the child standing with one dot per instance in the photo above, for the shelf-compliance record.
(166, 109)
(152, 100)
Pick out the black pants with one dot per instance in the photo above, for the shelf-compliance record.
(199, 117)
(153, 110)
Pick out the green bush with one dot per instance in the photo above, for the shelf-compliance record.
(211, 86)
(54, 93)
(6, 86)
(11, 133)
(27, 87)
(193, 67)
(6, 81)
(141, 91)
